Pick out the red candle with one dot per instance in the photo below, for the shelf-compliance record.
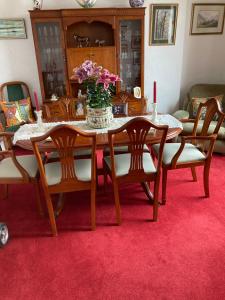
(154, 92)
(36, 101)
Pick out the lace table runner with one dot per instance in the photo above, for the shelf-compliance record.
(25, 132)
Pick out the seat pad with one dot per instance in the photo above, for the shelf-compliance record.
(190, 153)
(122, 163)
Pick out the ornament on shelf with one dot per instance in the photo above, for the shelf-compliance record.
(37, 4)
(136, 3)
(86, 3)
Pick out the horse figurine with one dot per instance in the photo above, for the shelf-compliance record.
(82, 41)
(100, 42)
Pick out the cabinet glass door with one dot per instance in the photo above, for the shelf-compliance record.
(130, 54)
(51, 58)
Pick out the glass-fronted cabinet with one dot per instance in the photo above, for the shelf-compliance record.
(51, 58)
(130, 54)
(111, 37)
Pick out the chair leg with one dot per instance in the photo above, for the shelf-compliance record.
(51, 214)
(117, 202)
(38, 199)
(156, 200)
(194, 175)
(206, 179)
(164, 184)
(93, 208)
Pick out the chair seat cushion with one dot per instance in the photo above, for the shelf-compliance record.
(188, 128)
(82, 170)
(9, 170)
(122, 149)
(122, 163)
(190, 153)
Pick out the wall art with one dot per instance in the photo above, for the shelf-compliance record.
(163, 22)
(12, 29)
(207, 18)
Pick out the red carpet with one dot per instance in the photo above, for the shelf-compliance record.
(182, 256)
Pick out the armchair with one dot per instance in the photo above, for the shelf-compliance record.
(203, 91)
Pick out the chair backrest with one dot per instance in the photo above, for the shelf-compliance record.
(136, 133)
(211, 110)
(14, 91)
(64, 138)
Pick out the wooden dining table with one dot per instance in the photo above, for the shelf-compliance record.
(101, 140)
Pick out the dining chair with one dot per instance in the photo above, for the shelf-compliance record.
(198, 152)
(136, 165)
(21, 169)
(68, 173)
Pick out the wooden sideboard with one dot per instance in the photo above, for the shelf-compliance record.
(112, 37)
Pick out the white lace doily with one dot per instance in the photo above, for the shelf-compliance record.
(25, 132)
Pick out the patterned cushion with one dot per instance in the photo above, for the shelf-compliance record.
(12, 114)
(25, 109)
(195, 104)
(17, 112)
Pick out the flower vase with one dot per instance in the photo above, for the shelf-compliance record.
(40, 123)
(99, 117)
(154, 113)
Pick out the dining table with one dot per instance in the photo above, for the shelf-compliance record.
(25, 132)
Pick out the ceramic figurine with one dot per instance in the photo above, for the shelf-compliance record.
(37, 4)
(136, 3)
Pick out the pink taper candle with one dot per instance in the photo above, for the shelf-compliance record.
(154, 92)
(36, 101)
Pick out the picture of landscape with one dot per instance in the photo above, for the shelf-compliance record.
(207, 18)
(12, 29)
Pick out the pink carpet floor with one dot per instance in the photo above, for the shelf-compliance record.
(182, 256)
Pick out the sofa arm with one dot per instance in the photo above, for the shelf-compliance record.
(181, 114)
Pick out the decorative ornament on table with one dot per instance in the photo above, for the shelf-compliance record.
(37, 4)
(136, 3)
(100, 85)
(86, 3)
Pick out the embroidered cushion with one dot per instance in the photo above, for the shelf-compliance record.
(17, 112)
(11, 113)
(195, 104)
(25, 109)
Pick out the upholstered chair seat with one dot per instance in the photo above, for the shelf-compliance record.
(82, 169)
(189, 153)
(123, 161)
(9, 170)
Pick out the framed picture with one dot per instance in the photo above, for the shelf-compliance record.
(136, 42)
(120, 108)
(12, 29)
(163, 22)
(207, 18)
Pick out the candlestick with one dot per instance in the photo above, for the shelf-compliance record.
(36, 101)
(154, 92)
(154, 113)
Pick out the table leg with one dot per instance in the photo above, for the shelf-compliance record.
(60, 205)
(147, 191)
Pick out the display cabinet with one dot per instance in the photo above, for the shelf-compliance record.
(111, 37)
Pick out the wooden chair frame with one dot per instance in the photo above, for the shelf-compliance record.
(25, 177)
(137, 129)
(4, 85)
(212, 108)
(64, 137)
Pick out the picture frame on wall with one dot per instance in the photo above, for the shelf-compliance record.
(163, 24)
(207, 18)
(12, 29)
